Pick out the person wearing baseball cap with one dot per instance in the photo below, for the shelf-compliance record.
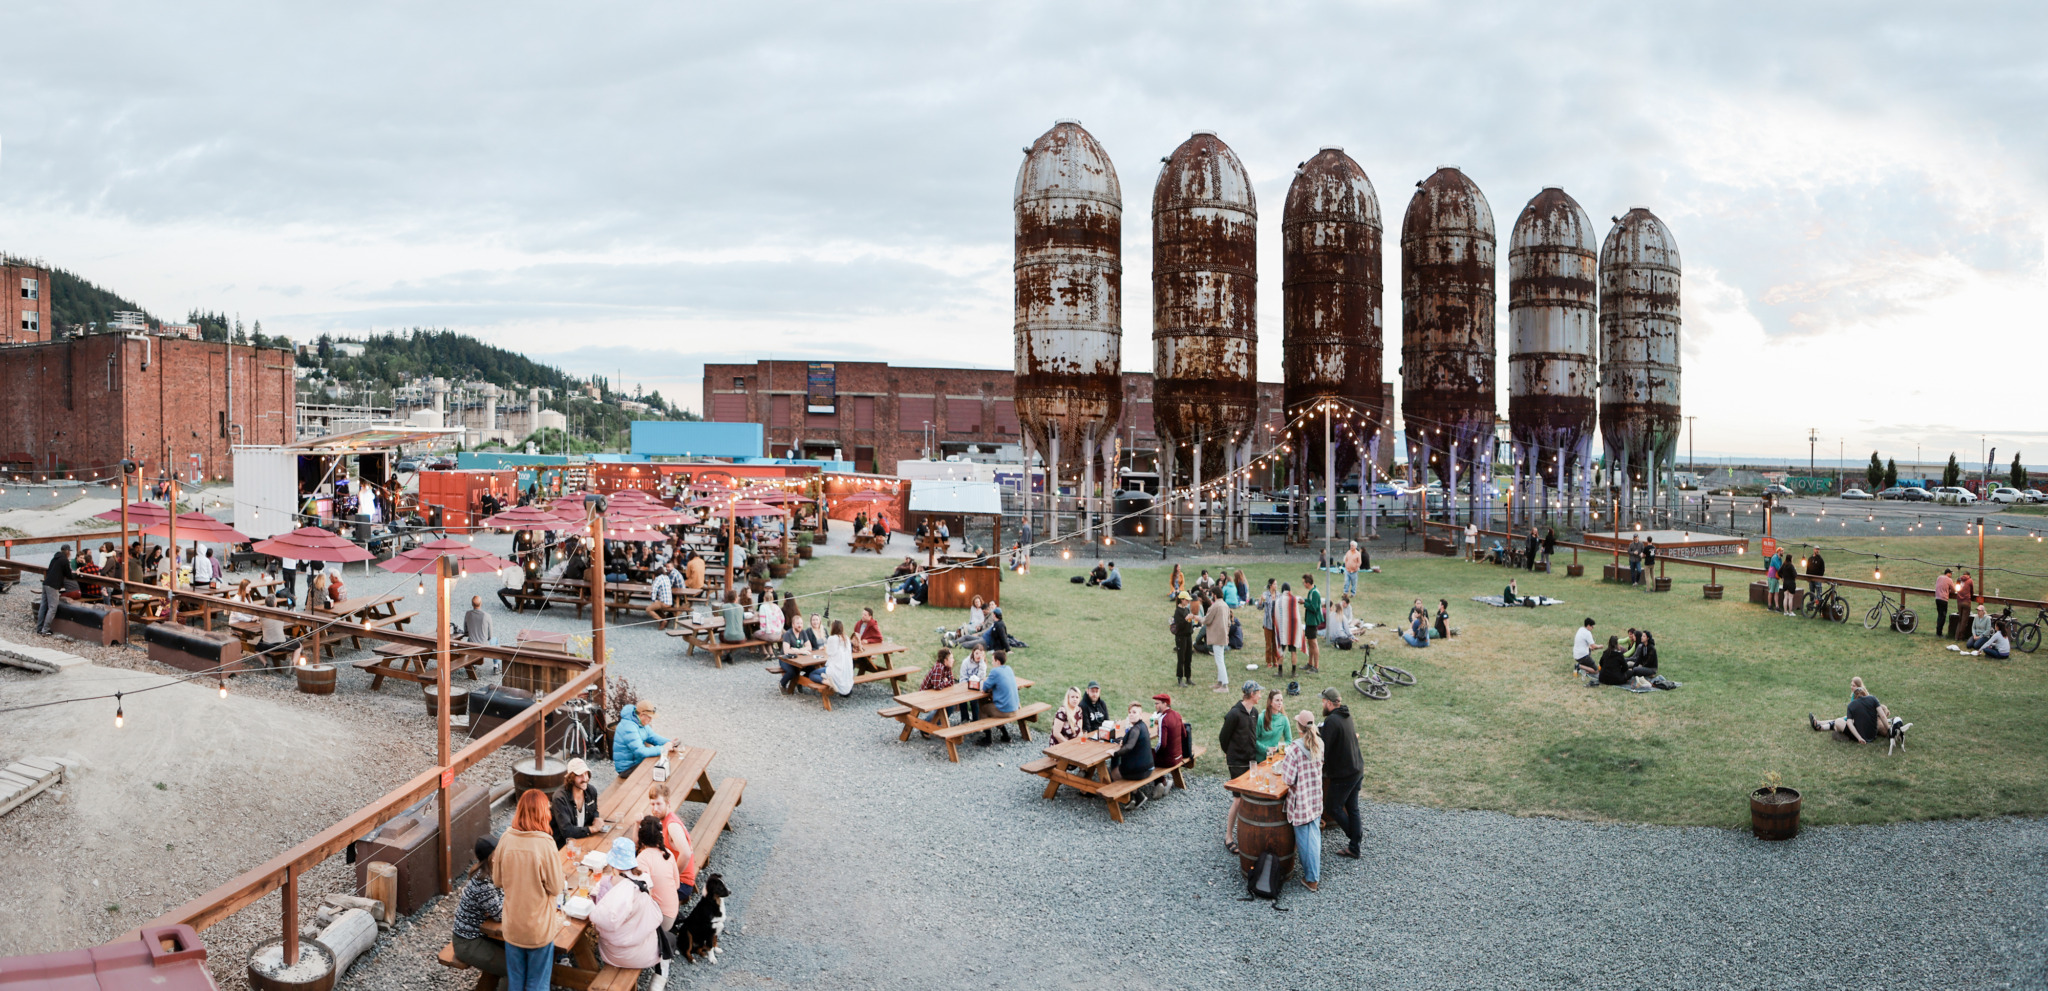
(1172, 736)
(574, 809)
(1343, 770)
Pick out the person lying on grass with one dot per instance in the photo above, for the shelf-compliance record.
(1867, 719)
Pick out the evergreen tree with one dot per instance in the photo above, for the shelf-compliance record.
(2019, 472)
(1891, 473)
(1952, 473)
(1875, 473)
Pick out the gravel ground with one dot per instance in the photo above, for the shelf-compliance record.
(855, 855)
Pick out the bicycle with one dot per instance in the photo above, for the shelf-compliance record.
(578, 734)
(1902, 618)
(1824, 601)
(1377, 681)
(2026, 637)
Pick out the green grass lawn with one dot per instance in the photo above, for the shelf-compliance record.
(1496, 722)
(1917, 561)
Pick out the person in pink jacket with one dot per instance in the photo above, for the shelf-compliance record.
(626, 915)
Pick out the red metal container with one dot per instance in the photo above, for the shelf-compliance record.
(160, 958)
(459, 494)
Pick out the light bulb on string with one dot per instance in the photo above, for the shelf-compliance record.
(119, 716)
(223, 689)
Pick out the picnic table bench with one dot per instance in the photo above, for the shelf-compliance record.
(913, 708)
(706, 636)
(368, 612)
(867, 542)
(406, 662)
(1083, 765)
(934, 543)
(250, 631)
(812, 660)
(577, 965)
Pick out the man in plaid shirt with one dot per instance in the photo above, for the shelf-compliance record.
(1302, 769)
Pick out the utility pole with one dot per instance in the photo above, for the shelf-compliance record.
(1812, 438)
(1690, 464)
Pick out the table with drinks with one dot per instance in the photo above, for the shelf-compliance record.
(916, 708)
(1083, 762)
(1261, 815)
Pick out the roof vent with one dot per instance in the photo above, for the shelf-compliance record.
(1338, 148)
(1066, 120)
(1199, 134)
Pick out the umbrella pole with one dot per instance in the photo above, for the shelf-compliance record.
(728, 547)
(171, 595)
(442, 849)
(124, 535)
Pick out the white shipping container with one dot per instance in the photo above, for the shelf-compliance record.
(266, 490)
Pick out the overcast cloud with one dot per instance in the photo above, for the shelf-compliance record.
(1860, 191)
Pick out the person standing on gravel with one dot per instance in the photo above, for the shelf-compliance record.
(1240, 742)
(1303, 770)
(1343, 770)
(528, 868)
(1216, 627)
(59, 574)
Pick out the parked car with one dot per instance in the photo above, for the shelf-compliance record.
(2006, 494)
(1912, 494)
(1855, 494)
(2036, 495)
(408, 464)
(1779, 490)
(1955, 495)
(442, 464)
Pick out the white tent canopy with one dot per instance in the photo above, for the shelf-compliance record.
(940, 496)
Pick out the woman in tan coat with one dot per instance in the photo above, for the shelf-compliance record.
(528, 867)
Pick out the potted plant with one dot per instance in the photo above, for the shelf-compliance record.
(314, 970)
(803, 545)
(1774, 810)
(778, 567)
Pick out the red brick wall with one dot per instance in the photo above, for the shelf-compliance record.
(88, 402)
(13, 306)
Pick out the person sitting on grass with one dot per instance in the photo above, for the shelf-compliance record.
(1204, 583)
(1230, 596)
(1582, 651)
(1511, 595)
(1442, 629)
(976, 625)
(997, 635)
(1642, 654)
(1113, 581)
(1176, 583)
(1867, 719)
(1981, 629)
(1097, 575)
(1994, 644)
(1613, 666)
(1001, 686)
(1417, 634)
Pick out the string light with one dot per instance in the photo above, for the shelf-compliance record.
(119, 716)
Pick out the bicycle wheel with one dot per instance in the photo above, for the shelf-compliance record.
(2028, 638)
(1396, 676)
(1839, 610)
(1876, 613)
(1372, 689)
(1905, 621)
(1810, 606)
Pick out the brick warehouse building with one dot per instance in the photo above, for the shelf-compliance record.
(24, 302)
(875, 414)
(84, 403)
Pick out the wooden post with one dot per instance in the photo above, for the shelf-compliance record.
(443, 850)
(1980, 562)
(291, 915)
(597, 616)
(171, 596)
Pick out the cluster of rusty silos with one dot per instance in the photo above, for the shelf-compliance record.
(1553, 354)
(1447, 336)
(1639, 352)
(1204, 315)
(1331, 321)
(1069, 329)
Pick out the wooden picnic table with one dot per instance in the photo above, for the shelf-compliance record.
(408, 662)
(577, 964)
(867, 542)
(1083, 765)
(883, 652)
(912, 708)
(705, 634)
(549, 638)
(365, 613)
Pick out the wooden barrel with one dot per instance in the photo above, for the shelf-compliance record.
(1262, 828)
(1777, 819)
(548, 777)
(313, 972)
(1661, 585)
(458, 700)
(316, 679)
(1574, 570)
(1711, 591)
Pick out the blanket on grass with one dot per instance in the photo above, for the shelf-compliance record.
(1495, 600)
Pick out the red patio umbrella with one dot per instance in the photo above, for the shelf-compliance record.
(139, 514)
(778, 496)
(421, 559)
(526, 518)
(310, 543)
(197, 526)
(738, 509)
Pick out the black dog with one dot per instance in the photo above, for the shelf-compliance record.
(697, 933)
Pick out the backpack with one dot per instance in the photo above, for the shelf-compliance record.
(1264, 881)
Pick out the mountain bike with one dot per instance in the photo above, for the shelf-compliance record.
(1377, 681)
(2026, 637)
(1824, 601)
(1902, 618)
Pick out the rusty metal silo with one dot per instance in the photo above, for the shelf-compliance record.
(1639, 328)
(1330, 310)
(1204, 297)
(1553, 351)
(1447, 334)
(1069, 302)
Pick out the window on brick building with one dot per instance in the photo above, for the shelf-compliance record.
(739, 383)
(864, 413)
(30, 288)
(31, 321)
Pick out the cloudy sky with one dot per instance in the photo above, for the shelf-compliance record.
(1860, 191)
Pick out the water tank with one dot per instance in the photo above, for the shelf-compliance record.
(1330, 285)
(1447, 333)
(1204, 293)
(1639, 327)
(1069, 272)
(1553, 307)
